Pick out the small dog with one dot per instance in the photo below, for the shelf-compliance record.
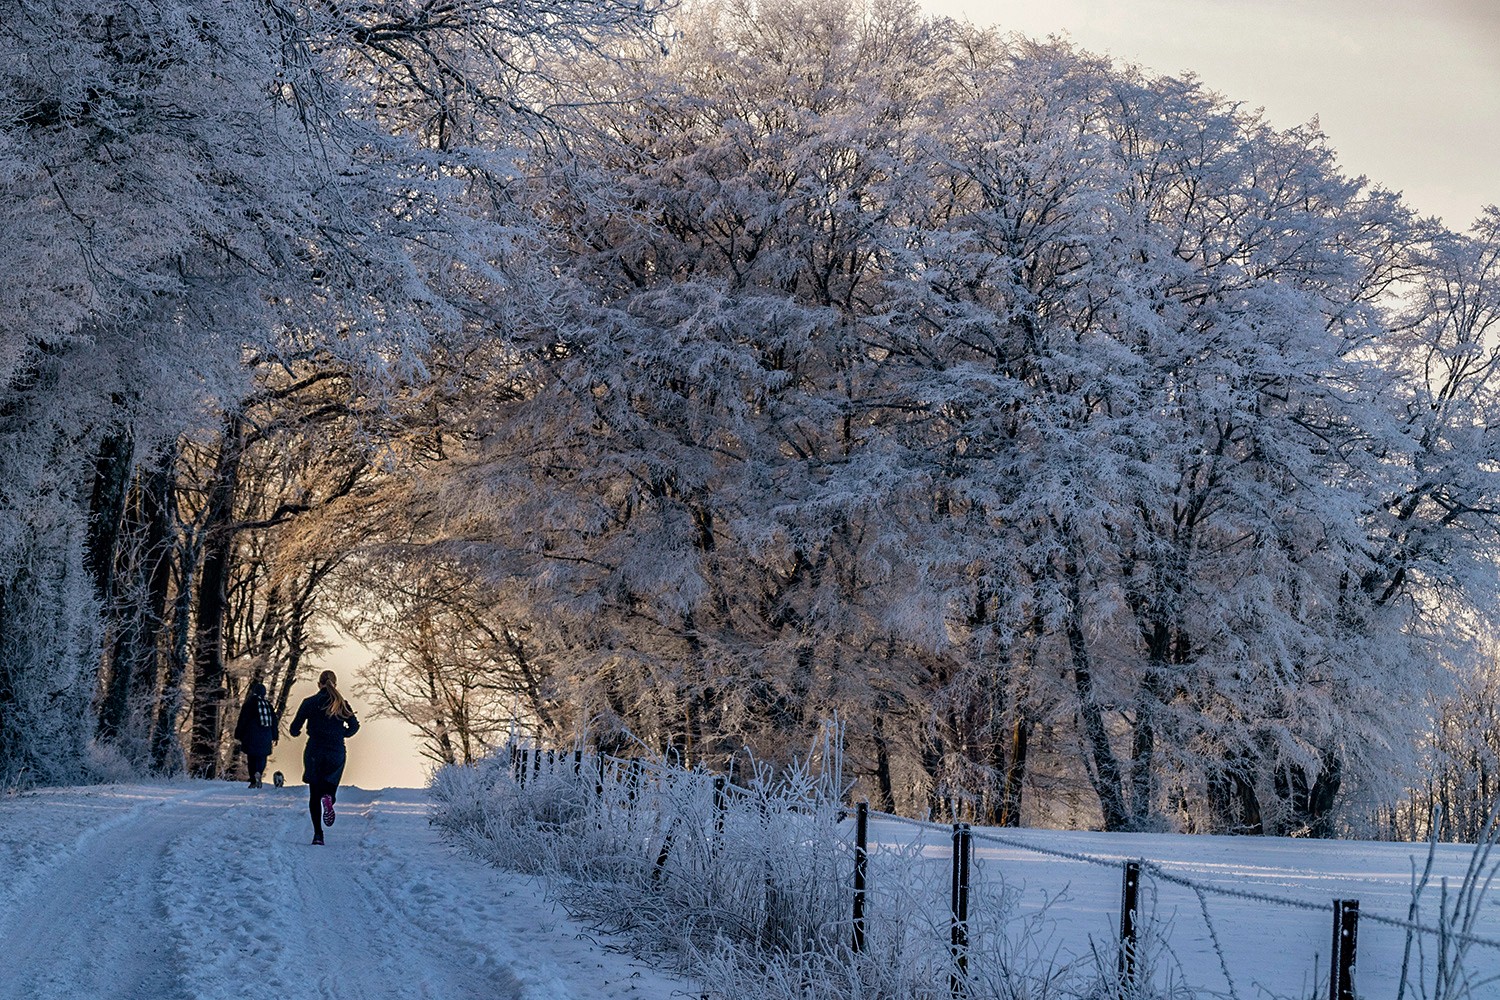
(278, 779)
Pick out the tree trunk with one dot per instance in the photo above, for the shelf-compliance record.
(107, 501)
(885, 793)
(1143, 735)
(1105, 774)
(112, 468)
(521, 655)
(213, 581)
(165, 747)
(1233, 802)
(1015, 773)
(1309, 804)
(134, 661)
(296, 641)
(441, 735)
(932, 765)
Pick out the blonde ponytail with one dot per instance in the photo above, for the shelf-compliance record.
(337, 706)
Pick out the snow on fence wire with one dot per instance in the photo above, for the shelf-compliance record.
(786, 867)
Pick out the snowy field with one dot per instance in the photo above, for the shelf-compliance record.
(210, 891)
(1268, 949)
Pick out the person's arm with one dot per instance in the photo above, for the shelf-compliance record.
(242, 723)
(296, 729)
(351, 725)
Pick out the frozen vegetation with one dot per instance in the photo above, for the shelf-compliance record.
(751, 888)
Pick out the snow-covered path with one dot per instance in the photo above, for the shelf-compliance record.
(202, 891)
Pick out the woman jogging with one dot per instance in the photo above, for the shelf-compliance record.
(256, 731)
(329, 719)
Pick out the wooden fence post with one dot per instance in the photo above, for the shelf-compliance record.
(1341, 961)
(959, 934)
(658, 871)
(861, 861)
(721, 805)
(1129, 908)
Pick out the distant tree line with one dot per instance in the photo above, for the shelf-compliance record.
(1095, 450)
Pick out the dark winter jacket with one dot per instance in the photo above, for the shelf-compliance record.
(256, 729)
(324, 731)
(323, 759)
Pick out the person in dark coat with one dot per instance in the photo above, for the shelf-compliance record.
(329, 720)
(256, 731)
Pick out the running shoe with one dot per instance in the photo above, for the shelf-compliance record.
(328, 816)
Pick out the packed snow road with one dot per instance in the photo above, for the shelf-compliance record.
(210, 891)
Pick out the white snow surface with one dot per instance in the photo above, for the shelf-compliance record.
(209, 891)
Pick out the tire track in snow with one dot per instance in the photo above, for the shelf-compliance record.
(91, 924)
(43, 829)
(211, 891)
(367, 901)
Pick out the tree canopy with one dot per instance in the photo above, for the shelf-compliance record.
(1097, 450)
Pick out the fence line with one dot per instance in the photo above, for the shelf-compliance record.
(1162, 874)
(1346, 913)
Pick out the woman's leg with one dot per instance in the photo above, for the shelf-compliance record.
(315, 806)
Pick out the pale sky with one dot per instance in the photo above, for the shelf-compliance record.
(383, 754)
(1407, 91)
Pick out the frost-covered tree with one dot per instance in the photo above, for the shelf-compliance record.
(198, 197)
(135, 225)
(1027, 410)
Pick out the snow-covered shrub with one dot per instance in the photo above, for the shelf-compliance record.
(49, 631)
(645, 848)
(749, 885)
(108, 765)
(484, 810)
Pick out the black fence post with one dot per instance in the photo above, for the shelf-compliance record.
(1129, 908)
(577, 763)
(599, 782)
(959, 935)
(525, 766)
(659, 869)
(720, 806)
(1345, 937)
(861, 862)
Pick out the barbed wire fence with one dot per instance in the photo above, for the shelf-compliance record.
(776, 864)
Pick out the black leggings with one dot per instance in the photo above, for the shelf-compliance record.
(256, 763)
(315, 792)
